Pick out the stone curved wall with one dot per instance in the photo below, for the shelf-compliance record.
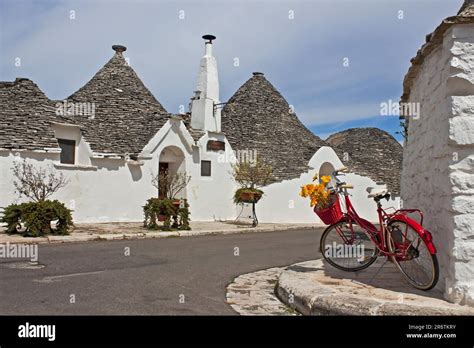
(438, 160)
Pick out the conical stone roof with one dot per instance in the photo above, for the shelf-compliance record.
(25, 117)
(371, 152)
(467, 9)
(126, 116)
(257, 117)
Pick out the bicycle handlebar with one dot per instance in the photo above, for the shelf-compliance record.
(341, 170)
(343, 185)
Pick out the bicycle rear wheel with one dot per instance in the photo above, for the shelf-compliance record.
(413, 259)
(347, 246)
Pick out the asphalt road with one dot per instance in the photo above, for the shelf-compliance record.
(168, 276)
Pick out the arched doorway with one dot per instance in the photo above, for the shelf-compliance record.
(171, 162)
(327, 169)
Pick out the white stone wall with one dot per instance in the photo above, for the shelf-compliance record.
(438, 164)
(211, 198)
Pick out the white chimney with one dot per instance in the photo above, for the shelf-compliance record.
(204, 113)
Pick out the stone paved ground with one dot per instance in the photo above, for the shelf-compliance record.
(254, 294)
(84, 232)
(315, 288)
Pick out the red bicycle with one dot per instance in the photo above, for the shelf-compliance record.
(352, 243)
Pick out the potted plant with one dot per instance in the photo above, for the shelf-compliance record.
(157, 209)
(251, 176)
(247, 195)
(167, 207)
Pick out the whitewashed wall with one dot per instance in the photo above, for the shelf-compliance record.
(438, 163)
(96, 193)
(211, 198)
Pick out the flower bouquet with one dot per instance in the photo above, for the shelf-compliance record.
(326, 203)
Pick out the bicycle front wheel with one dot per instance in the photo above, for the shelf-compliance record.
(347, 246)
(412, 256)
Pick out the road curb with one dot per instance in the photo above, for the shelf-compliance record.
(305, 288)
(146, 234)
(254, 294)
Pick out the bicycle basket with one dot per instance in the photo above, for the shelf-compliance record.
(332, 214)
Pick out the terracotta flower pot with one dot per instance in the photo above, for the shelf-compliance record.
(161, 218)
(250, 197)
(177, 202)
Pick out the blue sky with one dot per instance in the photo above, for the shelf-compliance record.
(299, 45)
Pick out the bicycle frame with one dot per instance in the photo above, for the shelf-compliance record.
(379, 235)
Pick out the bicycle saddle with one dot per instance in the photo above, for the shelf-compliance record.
(376, 192)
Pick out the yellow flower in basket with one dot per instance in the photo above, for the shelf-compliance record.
(318, 194)
(325, 179)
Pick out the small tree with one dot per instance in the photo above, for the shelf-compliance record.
(36, 183)
(169, 185)
(252, 174)
(34, 219)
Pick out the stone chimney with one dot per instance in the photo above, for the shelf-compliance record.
(205, 114)
(119, 49)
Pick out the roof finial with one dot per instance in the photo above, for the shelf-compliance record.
(119, 48)
(209, 38)
(208, 44)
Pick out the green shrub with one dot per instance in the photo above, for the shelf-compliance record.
(36, 217)
(183, 214)
(166, 207)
